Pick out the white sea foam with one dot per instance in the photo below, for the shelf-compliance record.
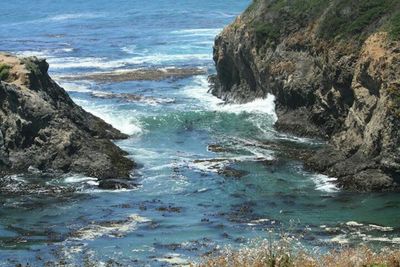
(74, 87)
(259, 106)
(380, 228)
(126, 123)
(324, 183)
(78, 179)
(67, 50)
(340, 239)
(266, 106)
(174, 260)
(166, 58)
(198, 32)
(356, 236)
(354, 224)
(297, 139)
(47, 53)
(84, 62)
(60, 18)
(225, 15)
(113, 229)
(210, 165)
(72, 16)
(106, 63)
(39, 54)
(130, 49)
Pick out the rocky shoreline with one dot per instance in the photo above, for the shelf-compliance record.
(42, 129)
(342, 86)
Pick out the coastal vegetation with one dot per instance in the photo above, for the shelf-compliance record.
(4, 72)
(340, 19)
(349, 19)
(394, 29)
(276, 255)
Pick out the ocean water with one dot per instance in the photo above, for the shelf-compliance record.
(185, 206)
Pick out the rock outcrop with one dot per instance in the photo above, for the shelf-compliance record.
(42, 128)
(334, 67)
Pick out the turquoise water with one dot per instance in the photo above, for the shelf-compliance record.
(185, 207)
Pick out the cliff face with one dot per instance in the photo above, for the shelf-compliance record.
(335, 71)
(41, 127)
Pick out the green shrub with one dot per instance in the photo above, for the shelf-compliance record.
(349, 19)
(298, 6)
(394, 29)
(286, 13)
(4, 71)
(266, 32)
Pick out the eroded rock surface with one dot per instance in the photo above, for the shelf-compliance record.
(341, 83)
(41, 127)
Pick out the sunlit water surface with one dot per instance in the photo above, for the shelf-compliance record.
(184, 207)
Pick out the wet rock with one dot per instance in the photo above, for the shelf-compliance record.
(116, 184)
(114, 228)
(14, 186)
(231, 172)
(3, 152)
(170, 209)
(42, 128)
(216, 148)
(140, 75)
(133, 98)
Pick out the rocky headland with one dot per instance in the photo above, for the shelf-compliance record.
(334, 68)
(42, 129)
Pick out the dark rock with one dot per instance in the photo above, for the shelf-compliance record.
(133, 98)
(140, 75)
(216, 148)
(346, 92)
(42, 128)
(117, 184)
(170, 209)
(231, 172)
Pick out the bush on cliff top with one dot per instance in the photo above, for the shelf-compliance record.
(283, 16)
(343, 19)
(350, 19)
(4, 71)
(394, 30)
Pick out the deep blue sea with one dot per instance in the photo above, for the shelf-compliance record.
(184, 207)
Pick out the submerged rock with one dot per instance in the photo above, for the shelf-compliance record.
(140, 75)
(117, 184)
(231, 172)
(216, 148)
(42, 128)
(339, 82)
(133, 98)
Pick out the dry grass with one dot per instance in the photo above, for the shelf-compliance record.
(282, 254)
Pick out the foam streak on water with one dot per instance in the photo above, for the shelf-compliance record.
(209, 174)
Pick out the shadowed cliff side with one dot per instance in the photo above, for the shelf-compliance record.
(42, 128)
(335, 71)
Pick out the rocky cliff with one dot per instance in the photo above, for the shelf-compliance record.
(42, 128)
(334, 67)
